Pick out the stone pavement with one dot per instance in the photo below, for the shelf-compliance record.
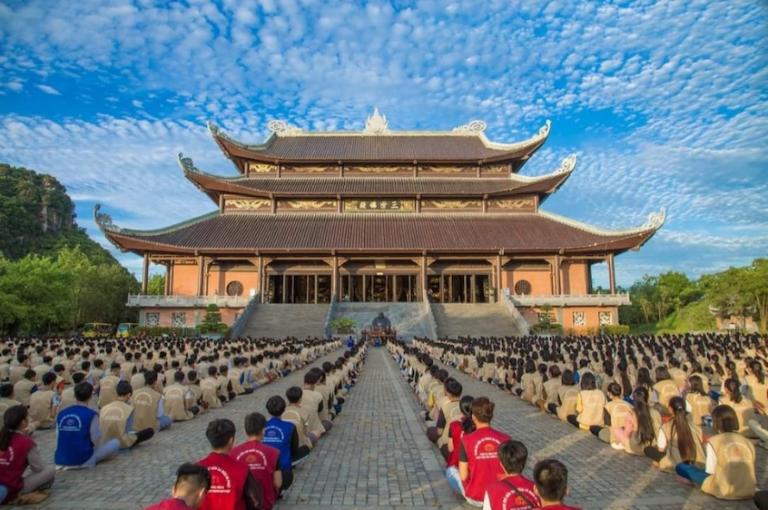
(145, 474)
(598, 476)
(377, 456)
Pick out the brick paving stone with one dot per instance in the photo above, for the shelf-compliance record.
(377, 454)
(598, 476)
(145, 474)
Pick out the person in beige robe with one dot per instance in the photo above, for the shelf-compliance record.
(23, 388)
(116, 419)
(179, 401)
(295, 414)
(42, 408)
(108, 385)
(149, 409)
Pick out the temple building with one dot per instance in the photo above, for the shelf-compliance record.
(379, 216)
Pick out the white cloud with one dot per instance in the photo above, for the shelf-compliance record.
(49, 90)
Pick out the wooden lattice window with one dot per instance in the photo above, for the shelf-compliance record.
(234, 288)
(523, 288)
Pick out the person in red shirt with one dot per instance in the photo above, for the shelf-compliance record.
(232, 484)
(456, 430)
(263, 460)
(192, 484)
(514, 491)
(479, 464)
(551, 479)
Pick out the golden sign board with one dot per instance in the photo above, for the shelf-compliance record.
(241, 204)
(378, 205)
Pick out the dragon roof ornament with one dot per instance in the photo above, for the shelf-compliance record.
(472, 128)
(186, 163)
(376, 124)
(655, 219)
(282, 128)
(104, 220)
(567, 165)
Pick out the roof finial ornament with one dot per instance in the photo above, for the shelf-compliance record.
(655, 219)
(376, 123)
(567, 165)
(104, 220)
(472, 128)
(544, 130)
(282, 128)
(186, 163)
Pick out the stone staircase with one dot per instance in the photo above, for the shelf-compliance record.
(409, 319)
(481, 319)
(281, 320)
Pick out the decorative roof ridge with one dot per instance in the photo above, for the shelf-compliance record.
(567, 166)
(104, 221)
(654, 222)
(538, 138)
(217, 132)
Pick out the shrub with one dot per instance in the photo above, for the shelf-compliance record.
(615, 329)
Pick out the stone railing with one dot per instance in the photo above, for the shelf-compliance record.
(430, 318)
(188, 301)
(522, 325)
(327, 329)
(570, 300)
(236, 331)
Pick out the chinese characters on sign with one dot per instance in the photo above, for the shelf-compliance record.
(373, 205)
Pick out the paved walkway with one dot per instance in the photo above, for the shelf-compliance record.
(144, 475)
(599, 477)
(377, 456)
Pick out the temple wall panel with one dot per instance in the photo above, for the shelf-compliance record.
(184, 279)
(248, 279)
(448, 171)
(240, 204)
(307, 205)
(309, 171)
(576, 319)
(444, 205)
(540, 280)
(512, 205)
(378, 170)
(495, 170)
(573, 277)
(258, 169)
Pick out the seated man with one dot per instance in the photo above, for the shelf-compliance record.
(42, 405)
(232, 485)
(189, 490)
(448, 412)
(262, 460)
(551, 479)
(108, 384)
(6, 399)
(78, 433)
(514, 491)
(68, 395)
(312, 401)
(479, 464)
(116, 419)
(180, 402)
(23, 388)
(149, 405)
(210, 389)
(299, 416)
(282, 435)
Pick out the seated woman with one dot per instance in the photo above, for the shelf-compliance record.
(664, 389)
(698, 400)
(730, 464)
(639, 428)
(590, 405)
(17, 452)
(549, 388)
(619, 412)
(567, 395)
(757, 386)
(741, 405)
(678, 440)
(456, 430)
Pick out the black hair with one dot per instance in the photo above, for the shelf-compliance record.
(83, 391)
(219, 432)
(551, 479)
(48, 378)
(453, 387)
(276, 405)
(150, 377)
(254, 424)
(294, 394)
(588, 381)
(6, 390)
(513, 455)
(12, 419)
(724, 419)
(178, 376)
(123, 388)
(78, 377)
(194, 475)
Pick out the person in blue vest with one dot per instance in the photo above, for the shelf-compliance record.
(77, 434)
(282, 435)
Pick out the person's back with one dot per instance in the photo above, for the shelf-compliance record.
(262, 460)
(550, 479)
(145, 403)
(512, 491)
(277, 434)
(176, 401)
(73, 439)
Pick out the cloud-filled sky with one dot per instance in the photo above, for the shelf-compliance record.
(665, 103)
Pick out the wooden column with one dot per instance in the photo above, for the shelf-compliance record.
(145, 274)
(335, 277)
(261, 279)
(611, 274)
(423, 275)
(556, 273)
(498, 278)
(168, 276)
(200, 274)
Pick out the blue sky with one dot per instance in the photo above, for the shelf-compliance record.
(666, 104)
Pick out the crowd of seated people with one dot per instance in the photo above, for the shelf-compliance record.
(103, 395)
(253, 474)
(484, 465)
(694, 404)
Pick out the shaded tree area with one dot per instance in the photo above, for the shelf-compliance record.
(672, 298)
(53, 277)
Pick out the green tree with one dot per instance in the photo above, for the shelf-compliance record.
(212, 321)
(156, 285)
(675, 291)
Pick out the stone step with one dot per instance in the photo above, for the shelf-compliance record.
(482, 319)
(281, 320)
